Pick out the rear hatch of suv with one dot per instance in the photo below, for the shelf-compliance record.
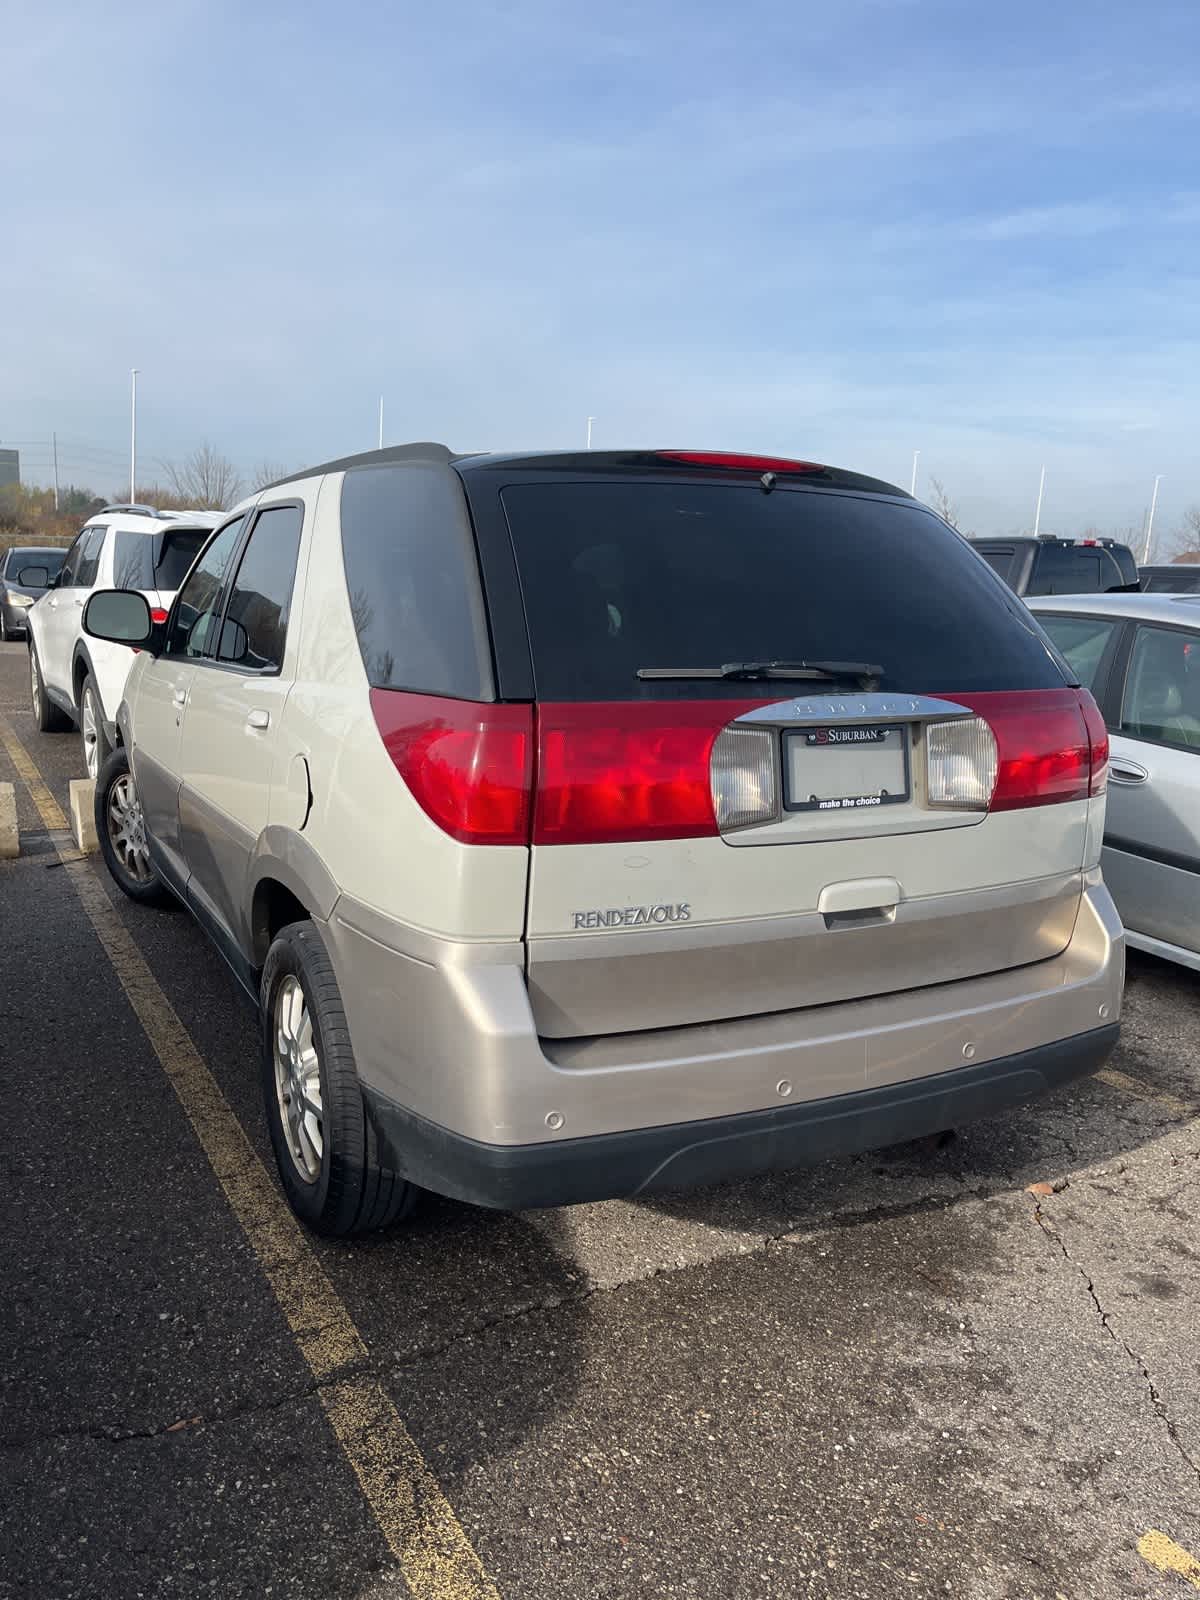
(791, 742)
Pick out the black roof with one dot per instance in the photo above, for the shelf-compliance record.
(591, 461)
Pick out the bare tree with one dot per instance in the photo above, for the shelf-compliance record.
(206, 478)
(942, 503)
(1184, 543)
(268, 472)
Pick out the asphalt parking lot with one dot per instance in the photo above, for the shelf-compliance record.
(896, 1374)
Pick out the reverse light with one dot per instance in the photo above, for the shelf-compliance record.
(961, 763)
(744, 787)
(468, 765)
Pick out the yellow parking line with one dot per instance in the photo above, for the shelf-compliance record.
(1146, 1091)
(433, 1553)
(1164, 1555)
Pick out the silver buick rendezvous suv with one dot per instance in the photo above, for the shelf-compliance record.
(586, 824)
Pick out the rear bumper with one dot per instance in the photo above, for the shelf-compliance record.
(689, 1154)
(470, 1101)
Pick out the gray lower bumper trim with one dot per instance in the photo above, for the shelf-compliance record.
(688, 1154)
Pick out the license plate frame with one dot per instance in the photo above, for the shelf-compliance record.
(852, 748)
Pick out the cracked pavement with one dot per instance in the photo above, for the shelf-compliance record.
(900, 1373)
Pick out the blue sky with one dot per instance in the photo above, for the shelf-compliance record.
(840, 231)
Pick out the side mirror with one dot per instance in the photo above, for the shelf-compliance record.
(34, 577)
(121, 616)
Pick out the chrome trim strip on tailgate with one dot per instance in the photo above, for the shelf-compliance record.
(830, 709)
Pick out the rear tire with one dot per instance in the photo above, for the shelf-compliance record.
(121, 830)
(46, 714)
(325, 1145)
(96, 748)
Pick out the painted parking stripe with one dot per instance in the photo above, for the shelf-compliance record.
(1164, 1555)
(1146, 1091)
(432, 1551)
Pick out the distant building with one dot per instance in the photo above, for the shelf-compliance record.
(10, 467)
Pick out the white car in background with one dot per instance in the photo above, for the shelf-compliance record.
(79, 681)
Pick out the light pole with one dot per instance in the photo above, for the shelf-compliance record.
(912, 488)
(1150, 521)
(381, 422)
(589, 432)
(133, 375)
(1037, 519)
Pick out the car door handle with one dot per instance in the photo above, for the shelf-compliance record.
(1127, 772)
(259, 720)
(180, 697)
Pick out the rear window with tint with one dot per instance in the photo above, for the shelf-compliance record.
(1071, 569)
(618, 576)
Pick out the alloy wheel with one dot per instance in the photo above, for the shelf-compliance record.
(298, 1079)
(127, 829)
(35, 684)
(89, 727)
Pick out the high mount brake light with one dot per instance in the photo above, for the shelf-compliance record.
(731, 461)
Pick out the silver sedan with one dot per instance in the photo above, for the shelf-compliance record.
(1139, 654)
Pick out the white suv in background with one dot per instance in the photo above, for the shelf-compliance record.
(78, 680)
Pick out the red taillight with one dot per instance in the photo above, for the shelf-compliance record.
(733, 462)
(628, 771)
(1043, 746)
(1098, 735)
(157, 614)
(468, 765)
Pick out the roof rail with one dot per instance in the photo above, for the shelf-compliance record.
(132, 510)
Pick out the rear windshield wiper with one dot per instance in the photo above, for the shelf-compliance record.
(868, 673)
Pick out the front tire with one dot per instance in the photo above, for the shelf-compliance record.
(96, 749)
(46, 714)
(121, 830)
(325, 1145)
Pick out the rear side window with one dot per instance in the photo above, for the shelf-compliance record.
(133, 561)
(1082, 641)
(1069, 569)
(619, 576)
(157, 561)
(255, 628)
(412, 578)
(176, 553)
